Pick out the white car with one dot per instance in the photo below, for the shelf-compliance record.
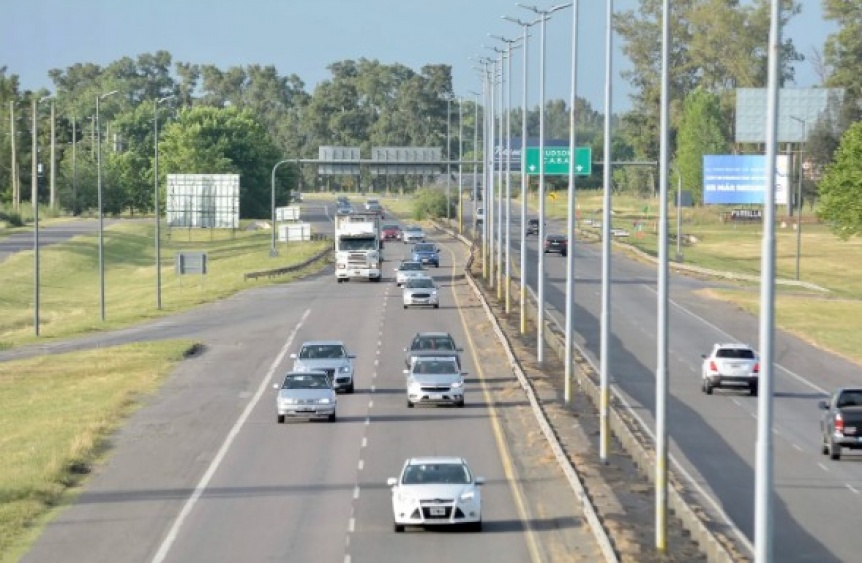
(420, 291)
(306, 394)
(330, 357)
(409, 269)
(433, 491)
(413, 234)
(435, 380)
(730, 365)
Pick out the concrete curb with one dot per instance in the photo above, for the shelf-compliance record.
(287, 269)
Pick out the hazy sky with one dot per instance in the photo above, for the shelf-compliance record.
(303, 37)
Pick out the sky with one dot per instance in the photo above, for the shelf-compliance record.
(303, 37)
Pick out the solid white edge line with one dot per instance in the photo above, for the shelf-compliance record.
(165, 547)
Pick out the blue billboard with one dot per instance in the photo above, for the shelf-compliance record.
(741, 179)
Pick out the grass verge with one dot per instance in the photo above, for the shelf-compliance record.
(55, 415)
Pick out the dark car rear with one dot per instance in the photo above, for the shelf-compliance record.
(557, 243)
(841, 425)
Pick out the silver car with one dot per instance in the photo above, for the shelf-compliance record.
(732, 365)
(409, 269)
(413, 234)
(435, 380)
(330, 357)
(420, 291)
(305, 395)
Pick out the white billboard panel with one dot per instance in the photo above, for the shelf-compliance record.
(203, 200)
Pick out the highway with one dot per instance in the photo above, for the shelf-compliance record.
(817, 507)
(203, 473)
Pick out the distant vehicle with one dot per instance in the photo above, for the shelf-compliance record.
(557, 243)
(480, 214)
(730, 365)
(432, 344)
(436, 491)
(841, 425)
(390, 231)
(420, 291)
(532, 227)
(413, 233)
(358, 248)
(426, 253)
(435, 380)
(371, 201)
(374, 206)
(296, 196)
(305, 395)
(408, 269)
(330, 357)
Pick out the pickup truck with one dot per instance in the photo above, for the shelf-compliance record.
(841, 425)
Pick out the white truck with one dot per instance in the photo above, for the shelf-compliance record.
(358, 247)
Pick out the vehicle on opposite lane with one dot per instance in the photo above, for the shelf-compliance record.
(420, 291)
(731, 365)
(435, 491)
(432, 344)
(435, 380)
(306, 395)
(841, 424)
(330, 357)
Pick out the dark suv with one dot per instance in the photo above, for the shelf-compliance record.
(532, 227)
(557, 243)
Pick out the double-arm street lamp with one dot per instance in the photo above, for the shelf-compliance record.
(101, 210)
(156, 103)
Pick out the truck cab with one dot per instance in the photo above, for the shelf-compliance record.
(358, 247)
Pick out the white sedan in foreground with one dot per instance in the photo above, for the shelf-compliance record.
(434, 491)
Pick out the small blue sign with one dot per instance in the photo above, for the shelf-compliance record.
(741, 179)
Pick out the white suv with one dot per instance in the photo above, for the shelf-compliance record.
(730, 365)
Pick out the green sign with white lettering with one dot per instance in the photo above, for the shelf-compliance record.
(557, 161)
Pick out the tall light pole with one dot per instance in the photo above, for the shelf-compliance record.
(799, 192)
(544, 16)
(156, 103)
(475, 153)
(99, 99)
(52, 201)
(460, 166)
(34, 183)
(522, 297)
(570, 225)
(273, 251)
(498, 212)
(448, 97)
(604, 346)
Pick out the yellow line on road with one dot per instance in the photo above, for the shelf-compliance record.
(502, 447)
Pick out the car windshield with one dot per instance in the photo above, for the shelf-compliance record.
(369, 243)
(850, 399)
(306, 381)
(413, 229)
(423, 247)
(419, 283)
(322, 352)
(390, 227)
(407, 266)
(435, 367)
(433, 343)
(735, 353)
(436, 473)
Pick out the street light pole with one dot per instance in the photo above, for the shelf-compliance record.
(273, 251)
(460, 166)
(448, 156)
(544, 16)
(35, 187)
(101, 210)
(156, 103)
(52, 201)
(799, 192)
(570, 224)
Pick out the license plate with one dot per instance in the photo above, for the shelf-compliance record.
(436, 397)
(850, 430)
(304, 409)
(437, 511)
(356, 272)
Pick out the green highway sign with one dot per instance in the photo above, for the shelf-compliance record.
(557, 161)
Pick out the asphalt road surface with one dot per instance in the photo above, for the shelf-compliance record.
(60, 232)
(204, 473)
(817, 508)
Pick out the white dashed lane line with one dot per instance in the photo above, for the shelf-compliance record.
(361, 464)
(823, 467)
(851, 488)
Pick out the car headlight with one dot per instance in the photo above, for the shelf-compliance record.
(344, 369)
(468, 495)
(457, 385)
(406, 498)
(434, 293)
(287, 401)
(324, 401)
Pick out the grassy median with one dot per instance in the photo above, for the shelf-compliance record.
(55, 414)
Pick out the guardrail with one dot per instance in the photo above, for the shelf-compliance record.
(287, 269)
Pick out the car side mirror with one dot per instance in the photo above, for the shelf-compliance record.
(392, 481)
(465, 373)
(275, 385)
(459, 349)
(703, 356)
(293, 356)
(823, 405)
(351, 356)
(480, 480)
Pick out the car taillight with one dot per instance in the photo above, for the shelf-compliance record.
(712, 366)
(756, 368)
(839, 424)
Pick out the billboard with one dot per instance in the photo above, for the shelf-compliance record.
(203, 200)
(798, 112)
(399, 161)
(334, 158)
(741, 179)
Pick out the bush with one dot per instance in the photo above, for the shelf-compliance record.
(12, 218)
(430, 203)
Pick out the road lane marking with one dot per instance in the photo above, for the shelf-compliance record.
(797, 447)
(823, 467)
(171, 537)
(370, 404)
(355, 493)
(361, 464)
(351, 525)
(851, 488)
(367, 420)
(364, 441)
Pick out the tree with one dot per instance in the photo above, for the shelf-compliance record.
(209, 140)
(841, 187)
(700, 132)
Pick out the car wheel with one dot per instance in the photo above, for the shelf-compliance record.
(398, 528)
(753, 390)
(824, 446)
(281, 419)
(405, 306)
(332, 417)
(339, 280)
(409, 404)
(834, 450)
(707, 388)
(460, 404)
(436, 305)
(476, 526)
(350, 388)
